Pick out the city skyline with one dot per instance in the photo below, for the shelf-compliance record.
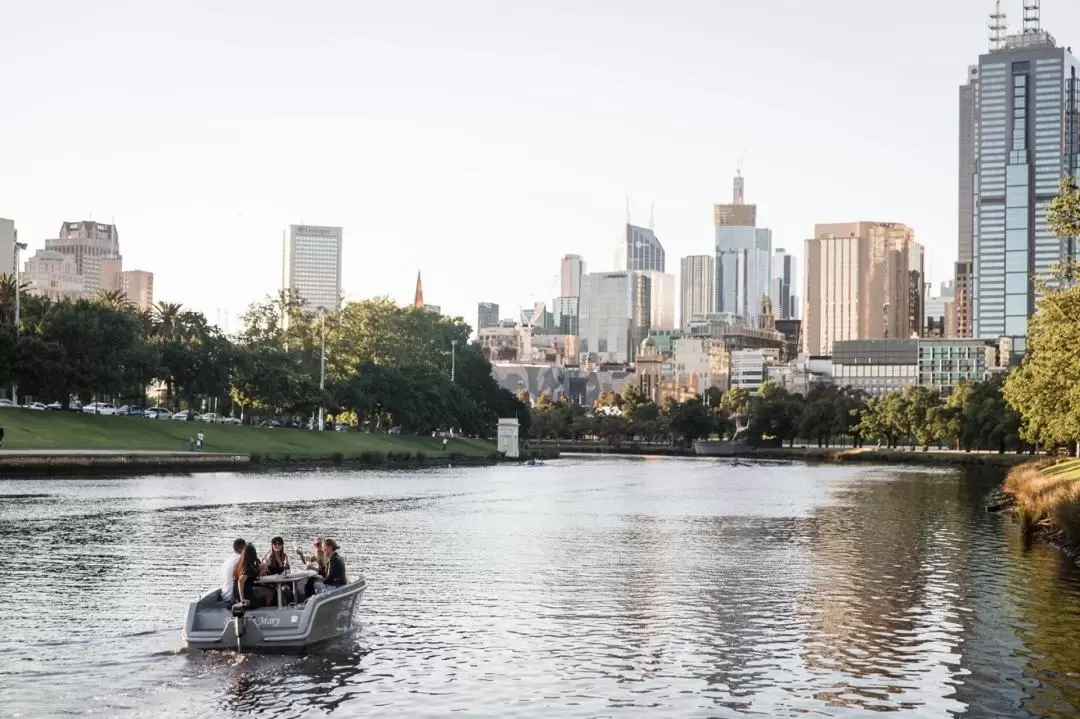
(216, 176)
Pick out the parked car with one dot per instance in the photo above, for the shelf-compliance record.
(37, 406)
(181, 416)
(231, 420)
(130, 410)
(209, 417)
(73, 406)
(104, 408)
(157, 413)
(7, 403)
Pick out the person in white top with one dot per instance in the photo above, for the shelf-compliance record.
(228, 570)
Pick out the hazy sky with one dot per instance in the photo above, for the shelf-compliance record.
(475, 141)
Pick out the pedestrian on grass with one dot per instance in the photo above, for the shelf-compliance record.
(1, 436)
(198, 441)
(191, 443)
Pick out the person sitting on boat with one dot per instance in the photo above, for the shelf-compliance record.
(247, 572)
(228, 571)
(334, 573)
(313, 561)
(276, 560)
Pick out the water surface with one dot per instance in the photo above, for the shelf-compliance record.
(592, 588)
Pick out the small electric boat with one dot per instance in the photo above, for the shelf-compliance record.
(214, 624)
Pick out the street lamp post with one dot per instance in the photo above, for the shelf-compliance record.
(18, 306)
(322, 371)
(453, 359)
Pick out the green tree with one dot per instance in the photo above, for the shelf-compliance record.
(883, 419)
(87, 349)
(114, 299)
(736, 401)
(632, 398)
(690, 420)
(920, 405)
(1045, 388)
(1063, 217)
(774, 415)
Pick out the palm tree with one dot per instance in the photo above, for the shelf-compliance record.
(114, 299)
(166, 316)
(7, 297)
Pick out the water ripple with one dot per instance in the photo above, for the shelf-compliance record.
(587, 588)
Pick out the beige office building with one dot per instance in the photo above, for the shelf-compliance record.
(91, 244)
(53, 274)
(859, 284)
(138, 287)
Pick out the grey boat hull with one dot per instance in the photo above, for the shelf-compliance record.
(211, 623)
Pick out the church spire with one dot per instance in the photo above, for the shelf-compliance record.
(418, 298)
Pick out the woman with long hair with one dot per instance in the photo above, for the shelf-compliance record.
(247, 571)
(276, 561)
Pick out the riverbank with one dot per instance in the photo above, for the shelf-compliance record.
(15, 464)
(20, 463)
(30, 430)
(805, 454)
(65, 443)
(1045, 499)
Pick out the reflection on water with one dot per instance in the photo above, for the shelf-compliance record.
(582, 588)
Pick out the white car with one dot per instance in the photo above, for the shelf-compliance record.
(231, 420)
(209, 417)
(39, 406)
(157, 413)
(181, 416)
(7, 403)
(100, 408)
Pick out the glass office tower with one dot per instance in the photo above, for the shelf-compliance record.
(1025, 142)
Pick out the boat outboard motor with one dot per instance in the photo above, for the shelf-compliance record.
(239, 612)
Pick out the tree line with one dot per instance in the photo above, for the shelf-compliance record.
(974, 416)
(386, 366)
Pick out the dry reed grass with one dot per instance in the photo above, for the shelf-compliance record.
(1047, 499)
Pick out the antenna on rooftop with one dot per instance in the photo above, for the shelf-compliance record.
(651, 209)
(998, 26)
(628, 209)
(1031, 17)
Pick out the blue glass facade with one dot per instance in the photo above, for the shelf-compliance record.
(1025, 142)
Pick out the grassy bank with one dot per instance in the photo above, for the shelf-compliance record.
(1045, 499)
(29, 430)
(806, 454)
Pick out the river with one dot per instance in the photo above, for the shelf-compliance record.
(589, 587)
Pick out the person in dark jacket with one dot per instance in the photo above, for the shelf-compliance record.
(1, 436)
(335, 569)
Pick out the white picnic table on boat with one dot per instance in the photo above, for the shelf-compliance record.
(294, 577)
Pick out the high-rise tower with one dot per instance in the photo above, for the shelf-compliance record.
(312, 265)
(91, 244)
(696, 287)
(743, 269)
(1025, 141)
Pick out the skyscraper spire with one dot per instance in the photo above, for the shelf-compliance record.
(998, 27)
(1032, 22)
(418, 298)
(737, 195)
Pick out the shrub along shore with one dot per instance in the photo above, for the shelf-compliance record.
(804, 454)
(1045, 498)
